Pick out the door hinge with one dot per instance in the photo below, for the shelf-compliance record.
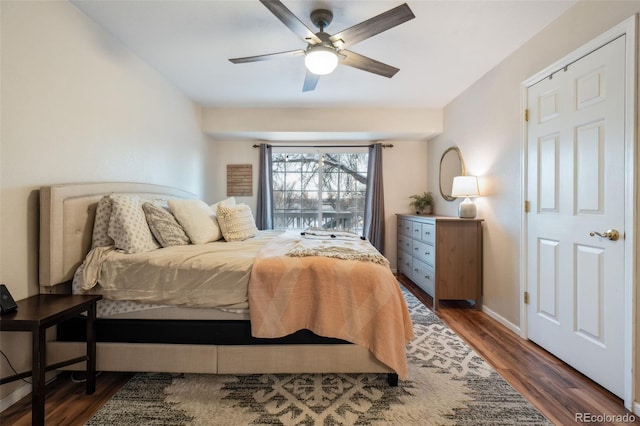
(526, 297)
(527, 206)
(526, 115)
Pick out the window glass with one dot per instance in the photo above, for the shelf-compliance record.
(320, 188)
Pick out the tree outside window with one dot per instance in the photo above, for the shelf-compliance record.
(321, 188)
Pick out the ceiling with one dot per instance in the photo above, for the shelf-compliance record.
(449, 45)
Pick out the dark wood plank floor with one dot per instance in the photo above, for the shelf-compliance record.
(554, 388)
(557, 390)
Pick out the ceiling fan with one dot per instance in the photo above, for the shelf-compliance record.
(324, 51)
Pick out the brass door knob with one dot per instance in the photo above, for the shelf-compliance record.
(611, 234)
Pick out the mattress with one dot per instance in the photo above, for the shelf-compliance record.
(129, 309)
(206, 281)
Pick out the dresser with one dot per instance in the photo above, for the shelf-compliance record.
(442, 255)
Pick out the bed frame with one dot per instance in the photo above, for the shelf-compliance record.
(66, 223)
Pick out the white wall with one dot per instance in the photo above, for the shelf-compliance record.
(322, 124)
(484, 122)
(77, 107)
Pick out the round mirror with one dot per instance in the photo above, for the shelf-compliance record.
(451, 165)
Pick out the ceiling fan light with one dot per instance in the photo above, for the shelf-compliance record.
(321, 60)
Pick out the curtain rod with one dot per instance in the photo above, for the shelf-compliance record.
(324, 146)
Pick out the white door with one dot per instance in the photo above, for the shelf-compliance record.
(576, 186)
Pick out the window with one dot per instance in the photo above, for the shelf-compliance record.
(321, 188)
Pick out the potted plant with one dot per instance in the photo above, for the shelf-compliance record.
(422, 203)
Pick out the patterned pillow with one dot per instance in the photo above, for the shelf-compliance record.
(197, 219)
(101, 236)
(164, 226)
(236, 222)
(128, 225)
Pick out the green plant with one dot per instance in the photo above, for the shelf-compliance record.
(420, 202)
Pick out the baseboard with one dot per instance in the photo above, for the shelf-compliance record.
(636, 408)
(502, 320)
(15, 396)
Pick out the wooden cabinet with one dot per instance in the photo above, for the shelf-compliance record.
(442, 255)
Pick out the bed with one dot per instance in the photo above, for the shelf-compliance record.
(184, 339)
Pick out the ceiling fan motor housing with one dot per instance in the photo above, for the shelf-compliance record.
(321, 18)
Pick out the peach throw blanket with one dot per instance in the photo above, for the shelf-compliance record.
(357, 301)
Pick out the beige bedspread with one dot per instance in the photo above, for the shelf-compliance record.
(357, 301)
(213, 275)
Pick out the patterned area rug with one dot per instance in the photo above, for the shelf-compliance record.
(449, 384)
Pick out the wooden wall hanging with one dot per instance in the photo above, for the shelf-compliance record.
(239, 180)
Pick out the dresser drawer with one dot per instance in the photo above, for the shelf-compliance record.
(424, 252)
(405, 244)
(416, 230)
(423, 275)
(405, 227)
(405, 264)
(428, 233)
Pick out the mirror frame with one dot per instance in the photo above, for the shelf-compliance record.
(455, 150)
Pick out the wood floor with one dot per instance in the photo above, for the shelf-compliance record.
(558, 391)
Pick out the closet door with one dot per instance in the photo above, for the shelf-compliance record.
(576, 224)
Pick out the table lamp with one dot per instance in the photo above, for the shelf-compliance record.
(465, 186)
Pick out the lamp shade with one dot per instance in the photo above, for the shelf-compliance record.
(465, 186)
(321, 60)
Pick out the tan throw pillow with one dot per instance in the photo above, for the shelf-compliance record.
(236, 222)
(164, 226)
(197, 219)
(128, 225)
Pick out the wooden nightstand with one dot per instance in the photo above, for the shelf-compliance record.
(37, 313)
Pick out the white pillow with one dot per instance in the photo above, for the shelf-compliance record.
(236, 222)
(197, 219)
(128, 226)
(231, 201)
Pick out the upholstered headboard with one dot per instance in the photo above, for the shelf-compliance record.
(67, 212)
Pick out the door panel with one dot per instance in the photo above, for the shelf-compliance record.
(589, 294)
(547, 284)
(589, 173)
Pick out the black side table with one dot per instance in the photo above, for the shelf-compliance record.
(36, 314)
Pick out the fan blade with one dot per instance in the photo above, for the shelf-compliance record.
(372, 26)
(363, 63)
(291, 21)
(267, 57)
(310, 81)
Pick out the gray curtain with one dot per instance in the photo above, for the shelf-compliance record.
(264, 210)
(374, 200)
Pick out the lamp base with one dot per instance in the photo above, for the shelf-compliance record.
(467, 209)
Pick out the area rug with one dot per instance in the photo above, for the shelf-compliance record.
(448, 384)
